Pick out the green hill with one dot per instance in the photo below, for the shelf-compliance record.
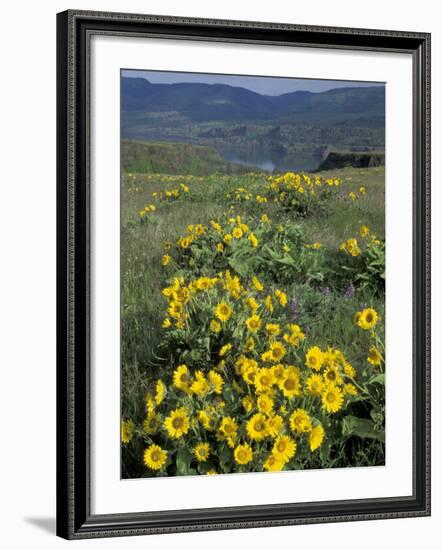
(209, 102)
(156, 157)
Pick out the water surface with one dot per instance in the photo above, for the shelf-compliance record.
(270, 161)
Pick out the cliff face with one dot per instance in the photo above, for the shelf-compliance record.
(336, 159)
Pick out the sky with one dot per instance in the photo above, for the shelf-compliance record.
(261, 84)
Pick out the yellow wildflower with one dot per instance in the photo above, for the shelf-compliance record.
(367, 318)
(201, 452)
(374, 356)
(257, 284)
(253, 323)
(215, 326)
(284, 448)
(364, 231)
(314, 358)
(225, 349)
(243, 454)
(253, 240)
(256, 427)
(300, 421)
(223, 311)
(332, 398)
(177, 423)
(316, 437)
(127, 431)
(155, 457)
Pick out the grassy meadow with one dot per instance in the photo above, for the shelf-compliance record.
(191, 402)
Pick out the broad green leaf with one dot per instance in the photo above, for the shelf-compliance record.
(239, 265)
(183, 460)
(378, 379)
(228, 393)
(361, 427)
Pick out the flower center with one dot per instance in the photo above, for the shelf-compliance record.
(177, 423)
(289, 384)
(242, 455)
(155, 456)
(281, 446)
(259, 426)
(331, 397)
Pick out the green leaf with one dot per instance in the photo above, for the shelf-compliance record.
(239, 265)
(195, 355)
(204, 467)
(286, 260)
(228, 394)
(324, 451)
(183, 460)
(378, 379)
(377, 416)
(361, 427)
(225, 459)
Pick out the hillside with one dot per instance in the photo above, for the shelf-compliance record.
(209, 102)
(174, 158)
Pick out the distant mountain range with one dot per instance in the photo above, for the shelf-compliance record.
(209, 102)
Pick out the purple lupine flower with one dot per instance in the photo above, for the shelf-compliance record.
(326, 291)
(294, 308)
(350, 290)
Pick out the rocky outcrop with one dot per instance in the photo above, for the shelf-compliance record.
(337, 159)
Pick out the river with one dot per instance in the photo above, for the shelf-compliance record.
(271, 161)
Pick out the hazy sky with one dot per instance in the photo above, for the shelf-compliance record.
(261, 84)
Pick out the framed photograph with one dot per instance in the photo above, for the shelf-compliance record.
(243, 274)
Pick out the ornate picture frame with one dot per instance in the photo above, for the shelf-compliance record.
(75, 519)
